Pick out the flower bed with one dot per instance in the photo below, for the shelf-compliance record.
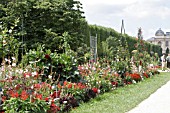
(23, 89)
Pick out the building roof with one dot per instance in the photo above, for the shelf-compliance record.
(159, 32)
(151, 39)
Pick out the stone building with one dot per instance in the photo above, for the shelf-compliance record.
(162, 39)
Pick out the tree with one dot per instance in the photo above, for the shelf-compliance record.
(45, 21)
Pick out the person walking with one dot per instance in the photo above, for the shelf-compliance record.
(163, 60)
(168, 61)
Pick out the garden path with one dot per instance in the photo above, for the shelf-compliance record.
(158, 102)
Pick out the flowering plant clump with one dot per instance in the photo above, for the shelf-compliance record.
(136, 77)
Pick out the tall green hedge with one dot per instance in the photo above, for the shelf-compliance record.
(103, 33)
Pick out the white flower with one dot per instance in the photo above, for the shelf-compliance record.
(133, 81)
(86, 67)
(13, 58)
(50, 102)
(10, 31)
(56, 99)
(64, 102)
(93, 68)
(98, 91)
(26, 70)
(50, 77)
(32, 87)
(34, 73)
(27, 76)
(6, 59)
(14, 64)
(53, 87)
(20, 71)
(4, 42)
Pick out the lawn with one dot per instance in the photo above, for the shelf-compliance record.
(125, 98)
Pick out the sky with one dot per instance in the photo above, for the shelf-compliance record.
(150, 15)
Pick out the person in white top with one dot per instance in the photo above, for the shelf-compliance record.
(168, 61)
(163, 60)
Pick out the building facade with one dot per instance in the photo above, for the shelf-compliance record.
(162, 39)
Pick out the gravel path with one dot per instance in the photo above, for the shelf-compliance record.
(158, 102)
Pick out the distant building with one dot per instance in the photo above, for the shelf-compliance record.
(162, 39)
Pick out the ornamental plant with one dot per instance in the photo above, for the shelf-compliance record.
(21, 106)
(61, 66)
(136, 77)
(9, 46)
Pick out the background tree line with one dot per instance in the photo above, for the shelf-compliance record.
(111, 37)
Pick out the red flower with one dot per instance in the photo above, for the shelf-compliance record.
(46, 99)
(129, 82)
(69, 85)
(75, 86)
(39, 96)
(114, 83)
(3, 98)
(56, 94)
(116, 75)
(17, 87)
(145, 75)
(79, 86)
(53, 108)
(135, 76)
(24, 95)
(82, 86)
(65, 83)
(140, 63)
(13, 94)
(38, 86)
(59, 86)
(47, 56)
(95, 90)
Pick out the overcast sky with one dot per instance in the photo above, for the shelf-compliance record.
(150, 15)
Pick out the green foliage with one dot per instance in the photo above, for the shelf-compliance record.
(60, 66)
(104, 33)
(16, 105)
(45, 21)
(8, 44)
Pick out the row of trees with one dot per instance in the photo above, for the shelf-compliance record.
(46, 21)
(111, 38)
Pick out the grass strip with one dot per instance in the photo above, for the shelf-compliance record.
(125, 98)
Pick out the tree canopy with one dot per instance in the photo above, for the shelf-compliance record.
(45, 21)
